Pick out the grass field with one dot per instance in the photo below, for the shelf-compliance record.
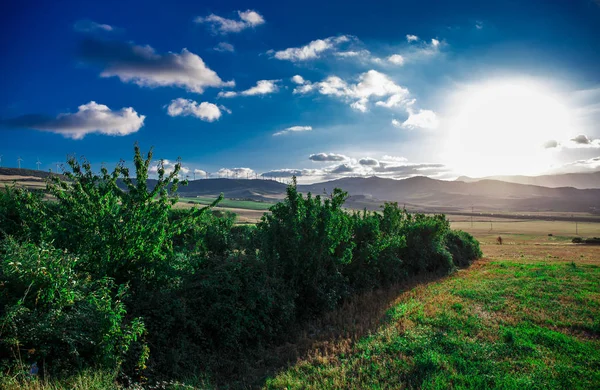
(525, 316)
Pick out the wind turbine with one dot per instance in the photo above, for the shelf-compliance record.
(19, 161)
(0, 161)
(38, 163)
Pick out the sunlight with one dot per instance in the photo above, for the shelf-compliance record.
(500, 128)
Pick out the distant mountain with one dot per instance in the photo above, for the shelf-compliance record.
(458, 195)
(582, 180)
(420, 193)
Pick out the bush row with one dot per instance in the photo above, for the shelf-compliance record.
(94, 275)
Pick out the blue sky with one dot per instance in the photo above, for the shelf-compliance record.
(388, 88)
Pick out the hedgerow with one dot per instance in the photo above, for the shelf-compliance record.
(101, 272)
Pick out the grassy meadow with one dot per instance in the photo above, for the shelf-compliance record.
(527, 315)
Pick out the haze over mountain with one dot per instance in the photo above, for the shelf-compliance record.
(580, 180)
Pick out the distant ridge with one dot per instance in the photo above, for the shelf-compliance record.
(583, 180)
(25, 172)
(420, 193)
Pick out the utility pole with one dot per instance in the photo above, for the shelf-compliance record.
(19, 161)
(471, 216)
(576, 229)
(38, 163)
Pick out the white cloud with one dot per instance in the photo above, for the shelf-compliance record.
(200, 173)
(205, 111)
(169, 167)
(396, 123)
(91, 26)
(223, 25)
(224, 46)
(411, 38)
(393, 159)
(478, 25)
(312, 50)
(425, 119)
(582, 141)
(360, 105)
(435, 43)
(395, 100)
(241, 173)
(293, 129)
(262, 87)
(551, 144)
(321, 157)
(298, 79)
(90, 118)
(396, 59)
(370, 84)
(143, 66)
(368, 161)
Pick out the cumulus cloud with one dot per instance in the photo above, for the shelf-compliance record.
(221, 25)
(205, 111)
(169, 167)
(224, 47)
(590, 163)
(393, 159)
(145, 67)
(262, 87)
(425, 119)
(396, 100)
(91, 26)
(368, 161)
(581, 140)
(241, 173)
(200, 173)
(297, 79)
(311, 50)
(321, 157)
(293, 129)
(90, 118)
(396, 59)
(370, 84)
(551, 144)
(411, 38)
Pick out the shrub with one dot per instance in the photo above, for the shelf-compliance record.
(59, 317)
(463, 247)
(577, 240)
(306, 241)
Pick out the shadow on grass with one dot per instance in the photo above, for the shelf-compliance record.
(331, 334)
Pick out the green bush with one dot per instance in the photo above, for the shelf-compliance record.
(60, 317)
(306, 241)
(127, 280)
(463, 247)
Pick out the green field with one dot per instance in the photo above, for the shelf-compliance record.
(229, 203)
(527, 316)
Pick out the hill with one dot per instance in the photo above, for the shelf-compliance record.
(583, 180)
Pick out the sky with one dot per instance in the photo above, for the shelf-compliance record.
(319, 90)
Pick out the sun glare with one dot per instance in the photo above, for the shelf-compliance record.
(501, 127)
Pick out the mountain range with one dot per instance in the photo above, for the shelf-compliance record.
(419, 192)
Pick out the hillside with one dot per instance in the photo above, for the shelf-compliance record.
(584, 180)
(457, 195)
(419, 192)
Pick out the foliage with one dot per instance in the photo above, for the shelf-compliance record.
(101, 271)
(463, 247)
(306, 242)
(60, 316)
